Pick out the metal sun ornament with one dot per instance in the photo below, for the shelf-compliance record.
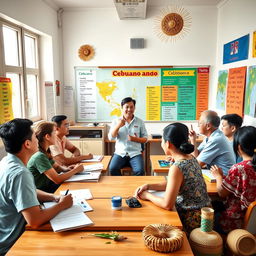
(86, 52)
(172, 24)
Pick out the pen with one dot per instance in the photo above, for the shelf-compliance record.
(66, 192)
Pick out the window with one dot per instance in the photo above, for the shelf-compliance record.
(20, 63)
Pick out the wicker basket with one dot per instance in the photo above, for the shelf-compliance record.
(162, 237)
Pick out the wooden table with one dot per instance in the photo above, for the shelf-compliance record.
(83, 243)
(105, 161)
(157, 169)
(122, 185)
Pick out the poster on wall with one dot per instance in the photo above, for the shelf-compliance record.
(236, 50)
(235, 91)
(161, 94)
(221, 90)
(250, 93)
(254, 45)
(6, 111)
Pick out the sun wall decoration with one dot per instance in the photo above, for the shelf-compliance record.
(172, 24)
(86, 52)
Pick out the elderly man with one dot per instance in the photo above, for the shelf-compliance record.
(215, 149)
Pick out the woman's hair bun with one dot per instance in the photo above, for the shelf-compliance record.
(186, 148)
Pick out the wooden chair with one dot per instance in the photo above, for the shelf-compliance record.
(126, 171)
(250, 218)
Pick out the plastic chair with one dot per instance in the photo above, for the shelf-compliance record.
(250, 218)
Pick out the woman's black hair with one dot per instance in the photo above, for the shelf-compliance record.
(246, 138)
(177, 134)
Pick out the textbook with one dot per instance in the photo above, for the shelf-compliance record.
(208, 175)
(68, 219)
(85, 177)
(96, 158)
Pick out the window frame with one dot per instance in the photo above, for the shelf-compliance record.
(22, 70)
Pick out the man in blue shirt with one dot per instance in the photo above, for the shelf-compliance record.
(19, 199)
(130, 133)
(215, 149)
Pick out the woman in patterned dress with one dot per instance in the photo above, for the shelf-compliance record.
(238, 188)
(185, 188)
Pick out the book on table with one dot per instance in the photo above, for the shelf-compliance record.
(93, 167)
(96, 158)
(208, 175)
(164, 163)
(68, 219)
(85, 177)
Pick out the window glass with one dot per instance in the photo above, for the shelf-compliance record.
(16, 94)
(11, 48)
(32, 99)
(30, 49)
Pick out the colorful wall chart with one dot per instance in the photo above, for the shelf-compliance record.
(162, 94)
(6, 112)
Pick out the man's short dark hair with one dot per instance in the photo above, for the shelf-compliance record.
(14, 133)
(58, 119)
(126, 100)
(233, 120)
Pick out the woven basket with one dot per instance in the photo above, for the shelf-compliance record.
(162, 237)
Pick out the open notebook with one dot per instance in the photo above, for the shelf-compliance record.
(68, 219)
(85, 177)
(96, 158)
(208, 175)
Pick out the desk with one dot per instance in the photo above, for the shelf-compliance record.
(157, 169)
(105, 161)
(123, 185)
(105, 218)
(83, 243)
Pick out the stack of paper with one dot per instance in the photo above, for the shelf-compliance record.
(68, 219)
(96, 158)
(208, 175)
(92, 167)
(85, 177)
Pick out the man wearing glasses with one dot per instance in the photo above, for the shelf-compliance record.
(62, 144)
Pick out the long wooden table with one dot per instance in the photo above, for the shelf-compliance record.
(105, 218)
(124, 186)
(157, 169)
(84, 243)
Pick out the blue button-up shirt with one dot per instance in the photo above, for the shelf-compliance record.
(124, 146)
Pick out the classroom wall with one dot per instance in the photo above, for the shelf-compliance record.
(110, 36)
(236, 18)
(42, 19)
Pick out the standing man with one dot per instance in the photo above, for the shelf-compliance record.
(230, 123)
(129, 132)
(62, 143)
(215, 149)
(19, 199)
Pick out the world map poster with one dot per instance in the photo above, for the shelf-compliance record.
(161, 94)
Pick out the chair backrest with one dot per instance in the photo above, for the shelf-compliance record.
(250, 218)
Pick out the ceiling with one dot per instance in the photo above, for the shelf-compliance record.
(66, 4)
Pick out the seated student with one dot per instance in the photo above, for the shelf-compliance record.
(215, 149)
(129, 132)
(19, 199)
(185, 186)
(41, 164)
(238, 188)
(229, 125)
(63, 143)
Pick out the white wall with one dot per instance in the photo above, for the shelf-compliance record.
(236, 18)
(42, 19)
(110, 37)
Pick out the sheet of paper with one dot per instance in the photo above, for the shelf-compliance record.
(79, 193)
(96, 158)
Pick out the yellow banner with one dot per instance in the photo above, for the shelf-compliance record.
(254, 45)
(135, 73)
(179, 73)
(6, 112)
